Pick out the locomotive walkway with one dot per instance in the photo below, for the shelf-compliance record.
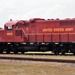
(61, 59)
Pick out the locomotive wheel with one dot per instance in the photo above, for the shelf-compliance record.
(74, 53)
(15, 52)
(63, 52)
(8, 52)
(56, 52)
(22, 52)
(1, 52)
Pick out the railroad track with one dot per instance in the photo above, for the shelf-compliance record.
(42, 53)
(38, 58)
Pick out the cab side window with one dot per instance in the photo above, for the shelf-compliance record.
(16, 26)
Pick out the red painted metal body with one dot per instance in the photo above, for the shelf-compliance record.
(39, 30)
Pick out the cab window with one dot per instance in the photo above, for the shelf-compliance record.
(9, 28)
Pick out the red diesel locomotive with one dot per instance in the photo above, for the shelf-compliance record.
(38, 34)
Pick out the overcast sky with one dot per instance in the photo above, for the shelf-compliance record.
(26, 9)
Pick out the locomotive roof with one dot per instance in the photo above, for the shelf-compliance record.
(10, 23)
(43, 20)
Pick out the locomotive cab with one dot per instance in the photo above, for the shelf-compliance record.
(9, 28)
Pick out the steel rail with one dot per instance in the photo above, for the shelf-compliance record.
(38, 59)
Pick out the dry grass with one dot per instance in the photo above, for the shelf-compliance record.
(12, 67)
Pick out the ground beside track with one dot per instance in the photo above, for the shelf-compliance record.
(13, 67)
